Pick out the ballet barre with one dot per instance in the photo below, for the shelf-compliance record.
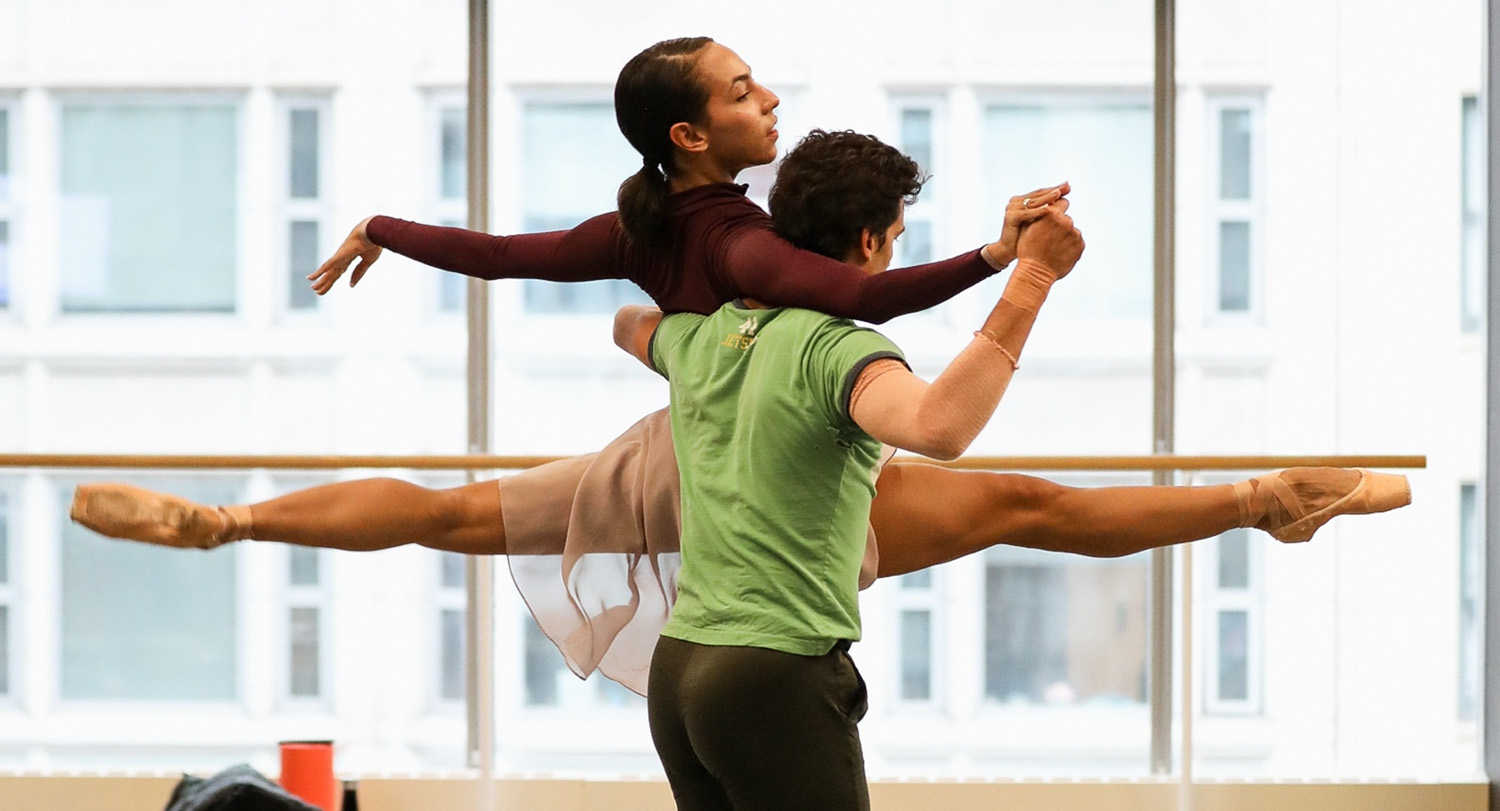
(493, 462)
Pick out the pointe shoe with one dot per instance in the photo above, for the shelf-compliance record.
(138, 514)
(1297, 520)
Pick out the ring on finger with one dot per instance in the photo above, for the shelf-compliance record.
(1026, 202)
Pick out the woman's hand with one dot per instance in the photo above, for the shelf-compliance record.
(356, 246)
(1022, 209)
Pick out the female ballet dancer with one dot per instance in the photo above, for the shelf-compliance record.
(684, 231)
(592, 540)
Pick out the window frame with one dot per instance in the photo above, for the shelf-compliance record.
(1129, 332)
(562, 325)
(900, 600)
(447, 598)
(10, 205)
(239, 104)
(1212, 600)
(1473, 270)
(317, 597)
(12, 674)
(932, 207)
(289, 209)
(443, 209)
(1218, 210)
(1471, 597)
(244, 650)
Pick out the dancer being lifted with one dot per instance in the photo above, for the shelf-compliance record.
(592, 540)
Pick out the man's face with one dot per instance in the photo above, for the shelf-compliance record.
(880, 261)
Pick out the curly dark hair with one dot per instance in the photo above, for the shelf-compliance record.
(834, 184)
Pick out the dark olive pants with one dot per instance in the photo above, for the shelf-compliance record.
(752, 729)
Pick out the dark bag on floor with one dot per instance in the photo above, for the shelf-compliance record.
(237, 788)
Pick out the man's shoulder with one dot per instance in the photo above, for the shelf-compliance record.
(804, 317)
(828, 325)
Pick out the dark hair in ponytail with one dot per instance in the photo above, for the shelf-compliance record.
(656, 89)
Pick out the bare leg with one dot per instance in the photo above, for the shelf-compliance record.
(925, 515)
(368, 514)
(361, 515)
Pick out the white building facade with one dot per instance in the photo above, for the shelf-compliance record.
(169, 171)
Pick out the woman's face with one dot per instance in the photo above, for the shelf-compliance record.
(740, 124)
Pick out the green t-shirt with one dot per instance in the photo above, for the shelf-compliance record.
(777, 479)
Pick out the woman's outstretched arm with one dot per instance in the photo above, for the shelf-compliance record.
(588, 252)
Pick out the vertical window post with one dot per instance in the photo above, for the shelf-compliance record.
(304, 200)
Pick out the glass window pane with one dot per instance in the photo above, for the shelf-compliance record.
(915, 243)
(304, 154)
(1234, 266)
(453, 292)
(303, 635)
(1024, 636)
(580, 297)
(453, 288)
(1104, 149)
(917, 580)
(4, 538)
(1234, 559)
(452, 677)
(916, 136)
(1470, 603)
(1234, 154)
(4, 263)
(573, 161)
(1234, 656)
(1473, 272)
(543, 667)
(149, 206)
(303, 258)
(4, 650)
(144, 622)
(1061, 632)
(614, 694)
(302, 565)
(916, 655)
(453, 575)
(4, 154)
(454, 155)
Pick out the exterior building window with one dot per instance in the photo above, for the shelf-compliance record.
(304, 204)
(451, 599)
(572, 162)
(1063, 631)
(917, 125)
(549, 682)
(542, 667)
(1102, 145)
(452, 201)
(1472, 268)
(305, 618)
(7, 596)
(147, 623)
(918, 620)
(149, 205)
(1231, 672)
(7, 213)
(1234, 206)
(1470, 604)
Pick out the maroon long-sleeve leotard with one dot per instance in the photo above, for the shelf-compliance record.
(721, 247)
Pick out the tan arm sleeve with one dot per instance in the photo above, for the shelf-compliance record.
(938, 419)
